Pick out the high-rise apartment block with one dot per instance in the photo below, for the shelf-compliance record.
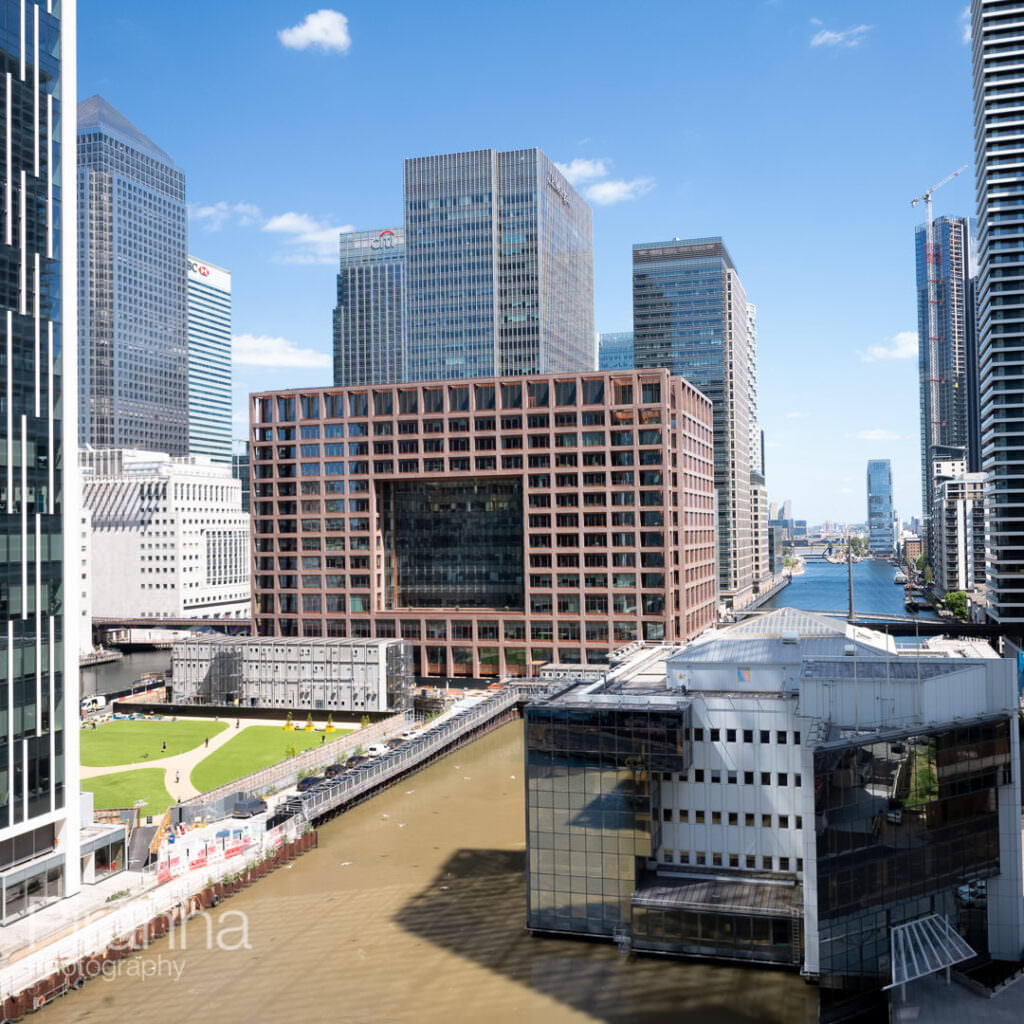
(690, 315)
(499, 267)
(39, 593)
(958, 517)
(882, 533)
(132, 223)
(368, 321)
(997, 34)
(169, 537)
(943, 314)
(209, 360)
(615, 351)
(496, 523)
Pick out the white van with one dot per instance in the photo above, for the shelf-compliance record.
(93, 703)
(376, 749)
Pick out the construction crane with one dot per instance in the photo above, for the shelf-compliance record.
(931, 342)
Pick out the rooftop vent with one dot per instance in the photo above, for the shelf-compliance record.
(789, 636)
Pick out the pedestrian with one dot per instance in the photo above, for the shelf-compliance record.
(206, 742)
(177, 777)
(322, 739)
(164, 746)
(237, 723)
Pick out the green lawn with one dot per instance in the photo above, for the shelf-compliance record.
(134, 742)
(255, 747)
(122, 789)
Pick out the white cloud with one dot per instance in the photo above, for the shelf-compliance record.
(214, 216)
(850, 37)
(965, 25)
(311, 240)
(795, 415)
(322, 30)
(846, 490)
(606, 192)
(877, 434)
(900, 346)
(275, 353)
(580, 170)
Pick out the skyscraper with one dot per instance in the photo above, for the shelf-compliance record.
(499, 267)
(39, 798)
(615, 351)
(943, 313)
(133, 357)
(368, 331)
(997, 28)
(209, 360)
(881, 531)
(691, 315)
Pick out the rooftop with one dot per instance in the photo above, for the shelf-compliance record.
(96, 114)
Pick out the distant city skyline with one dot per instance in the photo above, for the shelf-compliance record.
(822, 348)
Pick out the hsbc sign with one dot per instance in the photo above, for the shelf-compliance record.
(208, 274)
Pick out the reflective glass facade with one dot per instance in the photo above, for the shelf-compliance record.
(133, 355)
(368, 321)
(905, 828)
(690, 315)
(499, 267)
(209, 360)
(589, 809)
(38, 759)
(615, 351)
(881, 531)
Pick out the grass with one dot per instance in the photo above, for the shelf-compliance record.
(135, 742)
(255, 747)
(123, 789)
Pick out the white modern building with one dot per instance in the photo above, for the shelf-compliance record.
(958, 526)
(307, 674)
(84, 583)
(169, 537)
(789, 790)
(209, 360)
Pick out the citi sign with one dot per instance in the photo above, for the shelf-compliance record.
(385, 240)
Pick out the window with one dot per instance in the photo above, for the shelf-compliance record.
(797, 780)
(733, 818)
(748, 735)
(734, 860)
(748, 778)
(751, 861)
(698, 817)
(766, 736)
(798, 821)
(783, 863)
(715, 734)
(766, 821)
(698, 735)
(780, 736)
(698, 774)
(783, 821)
(730, 734)
(766, 863)
(716, 859)
(716, 776)
(748, 820)
(731, 778)
(783, 779)
(766, 778)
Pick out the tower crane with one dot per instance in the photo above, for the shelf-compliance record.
(926, 197)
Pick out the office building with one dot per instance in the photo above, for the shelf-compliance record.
(169, 537)
(496, 524)
(997, 34)
(132, 226)
(39, 594)
(209, 360)
(958, 535)
(615, 351)
(499, 276)
(882, 531)
(789, 790)
(368, 322)
(691, 315)
(943, 314)
(240, 468)
(316, 674)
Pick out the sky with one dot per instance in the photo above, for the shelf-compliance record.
(798, 131)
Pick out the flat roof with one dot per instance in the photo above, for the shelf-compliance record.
(722, 894)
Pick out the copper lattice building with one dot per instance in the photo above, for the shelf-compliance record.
(496, 523)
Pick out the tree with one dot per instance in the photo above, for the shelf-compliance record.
(364, 721)
(956, 602)
(921, 562)
(929, 576)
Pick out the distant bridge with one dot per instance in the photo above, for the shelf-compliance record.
(240, 627)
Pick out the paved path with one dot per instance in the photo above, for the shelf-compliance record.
(178, 768)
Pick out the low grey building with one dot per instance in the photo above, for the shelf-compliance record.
(301, 674)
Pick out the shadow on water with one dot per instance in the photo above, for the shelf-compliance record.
(474, 907)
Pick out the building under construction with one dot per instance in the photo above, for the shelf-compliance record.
(294, 674)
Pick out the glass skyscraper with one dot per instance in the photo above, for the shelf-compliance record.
(499, 267)
(368, 330)
(615, 351)
(943, 314)
(691, 315)
(133, 354)
(39, 813)
(209, 360)
(881, 532)
(997, 33)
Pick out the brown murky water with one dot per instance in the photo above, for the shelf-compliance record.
(411, 912)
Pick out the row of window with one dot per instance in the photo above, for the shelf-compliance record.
(700, 858)
(731, 777)
(685, 816)
(764, 735)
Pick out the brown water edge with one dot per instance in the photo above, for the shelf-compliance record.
(411, 912)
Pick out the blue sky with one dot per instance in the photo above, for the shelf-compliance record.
(798, 131)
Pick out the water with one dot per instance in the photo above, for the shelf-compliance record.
(411, 912)
(823, 588)
(119, 675)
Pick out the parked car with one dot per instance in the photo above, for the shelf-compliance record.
(356, 760)
(333, 769)
(308, 782)
(249, 807)
(376, 749)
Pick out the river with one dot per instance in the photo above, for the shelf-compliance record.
(822, 587)
(411, 912)
(119, 675)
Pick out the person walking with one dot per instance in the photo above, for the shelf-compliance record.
(164, 746)
(206, 742)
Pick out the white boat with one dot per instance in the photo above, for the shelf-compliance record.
(900, 577)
